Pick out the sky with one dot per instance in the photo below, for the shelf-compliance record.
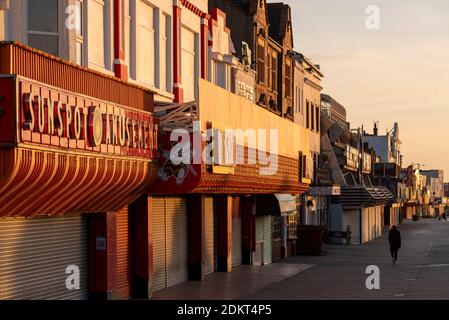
(397, 73)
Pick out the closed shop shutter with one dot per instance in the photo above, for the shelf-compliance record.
(170, 244)
(268, 240)
(236, 233)
(264, 233)
(34, 255)
(159, 266)
(356, 216)
(352, 218)
(123, 255)
(258, 258)
(374, 223)
(210, 239)
(365, 219)
(259, 228)
(177, 241)
(370, 225)
(377, 222)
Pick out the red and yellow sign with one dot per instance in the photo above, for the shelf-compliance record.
(48, 116)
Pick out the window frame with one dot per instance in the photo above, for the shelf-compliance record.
(261, 64)
(107, 65)
(312, 115)
(307, 114)
(61, 34)
(81, 38)
(288, 79)
(274, 71)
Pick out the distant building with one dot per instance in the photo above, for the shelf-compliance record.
(446, 189)
(434, 183)
(344, 176)
(388, 146)
(387, 171)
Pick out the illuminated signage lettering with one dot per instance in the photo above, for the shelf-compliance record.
(101, 126)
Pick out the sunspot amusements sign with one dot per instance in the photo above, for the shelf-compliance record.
(51, 117)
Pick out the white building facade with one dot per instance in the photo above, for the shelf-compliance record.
(160, 45)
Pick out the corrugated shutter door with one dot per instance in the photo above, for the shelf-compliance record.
(34, 255)
(236, 233)
(366, 231)
(259, 228)
(159, 266)
(210, 235)
(355, 225)
(369, 224)
(373, 222)
(177, 241)
(268, 240)
(123, 255)
(258, 258)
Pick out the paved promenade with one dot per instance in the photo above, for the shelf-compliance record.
(422, 272)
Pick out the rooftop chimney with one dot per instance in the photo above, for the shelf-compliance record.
(376, 131)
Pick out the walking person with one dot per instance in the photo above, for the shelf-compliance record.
(394, 237)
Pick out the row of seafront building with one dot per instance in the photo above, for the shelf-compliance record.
(361, 184)
(87, 183)
(92, 90)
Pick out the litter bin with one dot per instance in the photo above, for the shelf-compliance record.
(310, 240)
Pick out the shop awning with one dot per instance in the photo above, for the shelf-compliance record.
(41, 183)
(287, 203)
(364, 196)
(275, 204)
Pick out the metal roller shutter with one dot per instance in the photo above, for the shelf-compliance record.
(34, 255)
(159, 266)
(177, 241)
(268, 240)
(352, 218)
(123, 255)
(210, 235)
(258, 257)
(170, 243)
(259, 228)
(236, 233)
(366, 222)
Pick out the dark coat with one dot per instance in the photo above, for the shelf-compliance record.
(394, 237)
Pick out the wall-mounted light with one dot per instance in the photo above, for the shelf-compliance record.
(4, 4)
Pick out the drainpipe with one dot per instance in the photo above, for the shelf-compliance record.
(120, 67)
(361, 226)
